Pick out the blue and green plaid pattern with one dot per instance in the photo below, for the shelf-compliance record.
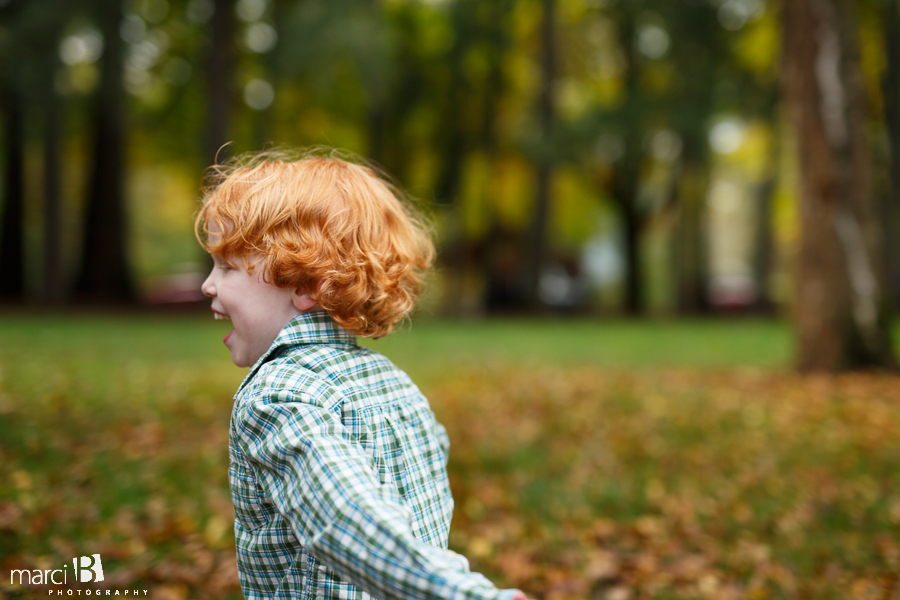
(338, 476)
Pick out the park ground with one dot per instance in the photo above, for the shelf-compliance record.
(590, 459)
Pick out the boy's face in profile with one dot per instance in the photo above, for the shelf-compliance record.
(258, 310)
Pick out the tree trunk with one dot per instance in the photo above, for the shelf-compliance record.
(891, 90)
(626, 176)
(452, 139)
(452, 130)
(546, 115)
(626, 179)
(104, 276)
(12, 251)
(633, 225)
(220, 88)
(501, 259)
(763, 241)
(493, 84)
(764, 245)
(54, 286)
(690, 239)
(841, 318)
(376, 113)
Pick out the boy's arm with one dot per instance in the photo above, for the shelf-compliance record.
(339, 511)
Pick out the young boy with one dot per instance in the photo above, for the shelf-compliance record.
(337, 465)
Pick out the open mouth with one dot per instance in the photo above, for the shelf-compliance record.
(220, 317)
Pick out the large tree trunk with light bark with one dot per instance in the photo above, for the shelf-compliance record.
(842, 315)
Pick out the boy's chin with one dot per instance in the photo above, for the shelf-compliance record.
(241, 362)
(237, 358)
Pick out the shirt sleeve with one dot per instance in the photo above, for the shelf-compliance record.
(325, 487)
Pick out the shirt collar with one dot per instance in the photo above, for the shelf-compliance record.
(313, 328)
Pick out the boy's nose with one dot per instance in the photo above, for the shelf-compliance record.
(208, 288)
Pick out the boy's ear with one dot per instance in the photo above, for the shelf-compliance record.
(302, 301)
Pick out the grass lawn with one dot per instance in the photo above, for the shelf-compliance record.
(591, 459)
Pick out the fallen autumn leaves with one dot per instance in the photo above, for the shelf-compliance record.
(570, 483)
(587, 484)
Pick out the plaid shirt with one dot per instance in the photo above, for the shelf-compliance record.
(338, 476)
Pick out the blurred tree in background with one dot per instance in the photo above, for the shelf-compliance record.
(842, 281)
(619, 156)
(104, 274)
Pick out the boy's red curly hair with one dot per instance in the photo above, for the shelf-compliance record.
(325, 224)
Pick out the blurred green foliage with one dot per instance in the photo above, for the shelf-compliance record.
(442, 93)
(655, 107)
